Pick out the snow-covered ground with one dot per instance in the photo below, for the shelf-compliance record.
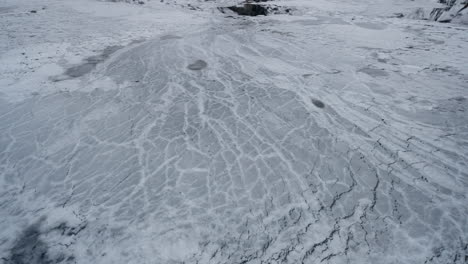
(171, 132)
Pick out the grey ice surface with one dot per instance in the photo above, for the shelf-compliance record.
(245, 140)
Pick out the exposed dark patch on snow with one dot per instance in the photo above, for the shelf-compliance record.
(197, 65)
(29, 248)
(398, 15)
(249, 10)
(256, 10)
(318, 103)
(458, 99)
(91, 62)
(141, 2)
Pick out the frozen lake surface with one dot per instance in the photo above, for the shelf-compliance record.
(181, 132)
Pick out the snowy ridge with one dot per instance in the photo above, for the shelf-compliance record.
(454, 11)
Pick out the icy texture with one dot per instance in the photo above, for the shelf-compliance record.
(311, 138)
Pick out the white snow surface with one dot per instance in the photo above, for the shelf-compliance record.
(170, 132)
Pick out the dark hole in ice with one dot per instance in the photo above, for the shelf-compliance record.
(249, 10)
(318, 103)
(197, 65)
(91, 62)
